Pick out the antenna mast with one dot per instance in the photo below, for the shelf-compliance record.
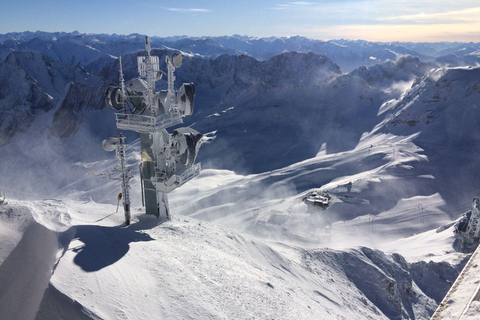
(121, 173)
(167, 159)
(122, 86)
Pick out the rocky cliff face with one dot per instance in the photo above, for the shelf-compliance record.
(389, 285)
(21, 95)
(72, 107)
(30, 85)
(442, 109)
(384, 75)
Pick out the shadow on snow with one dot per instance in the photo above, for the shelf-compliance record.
(103, 246)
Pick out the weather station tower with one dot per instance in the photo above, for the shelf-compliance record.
(167, 160)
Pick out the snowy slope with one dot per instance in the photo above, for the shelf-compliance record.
(442, 107)
(376, 193)
(191, 269)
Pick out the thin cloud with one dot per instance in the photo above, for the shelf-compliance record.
(301, 3)
(458, 16)
(293, 4)
(188, 10)
(398, 32)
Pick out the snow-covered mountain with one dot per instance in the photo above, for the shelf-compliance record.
(391, 144)
(297, 102)
(30, 84)
(442, 109)
(191, 269)
(93, 50)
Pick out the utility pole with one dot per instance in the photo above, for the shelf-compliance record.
(121, 173)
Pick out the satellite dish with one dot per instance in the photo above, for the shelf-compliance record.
(185, 96)
(162, 101)
(137, 92)
(113, 98)
(110, 144)
(187, 143)
(136, 84)
(177, 59)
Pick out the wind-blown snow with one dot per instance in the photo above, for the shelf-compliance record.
(269, 254)
(186, 268)
(391, 143)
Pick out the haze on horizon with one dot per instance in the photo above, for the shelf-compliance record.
(372, 20)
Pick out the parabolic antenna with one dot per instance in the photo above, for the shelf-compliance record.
(185, 97)
(113, 98)
(110, 144)
(137, 91)
(187, 141)
(177, 59)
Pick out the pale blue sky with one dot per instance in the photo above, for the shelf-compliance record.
(374, 20)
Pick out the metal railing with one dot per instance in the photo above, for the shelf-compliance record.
(189, 174)
(143, 124)
(446, 302)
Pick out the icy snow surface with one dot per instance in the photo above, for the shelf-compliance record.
(186, 268)
(247, 247)
(462, 300)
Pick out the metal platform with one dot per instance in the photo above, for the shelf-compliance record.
(189, 174)
(146, 124)
(176, 181)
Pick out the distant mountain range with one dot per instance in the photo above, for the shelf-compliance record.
(89, 50)
(267, 103)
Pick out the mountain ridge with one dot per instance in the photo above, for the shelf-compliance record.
(390, 144)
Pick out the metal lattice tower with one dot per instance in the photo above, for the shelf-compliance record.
(167, 159)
